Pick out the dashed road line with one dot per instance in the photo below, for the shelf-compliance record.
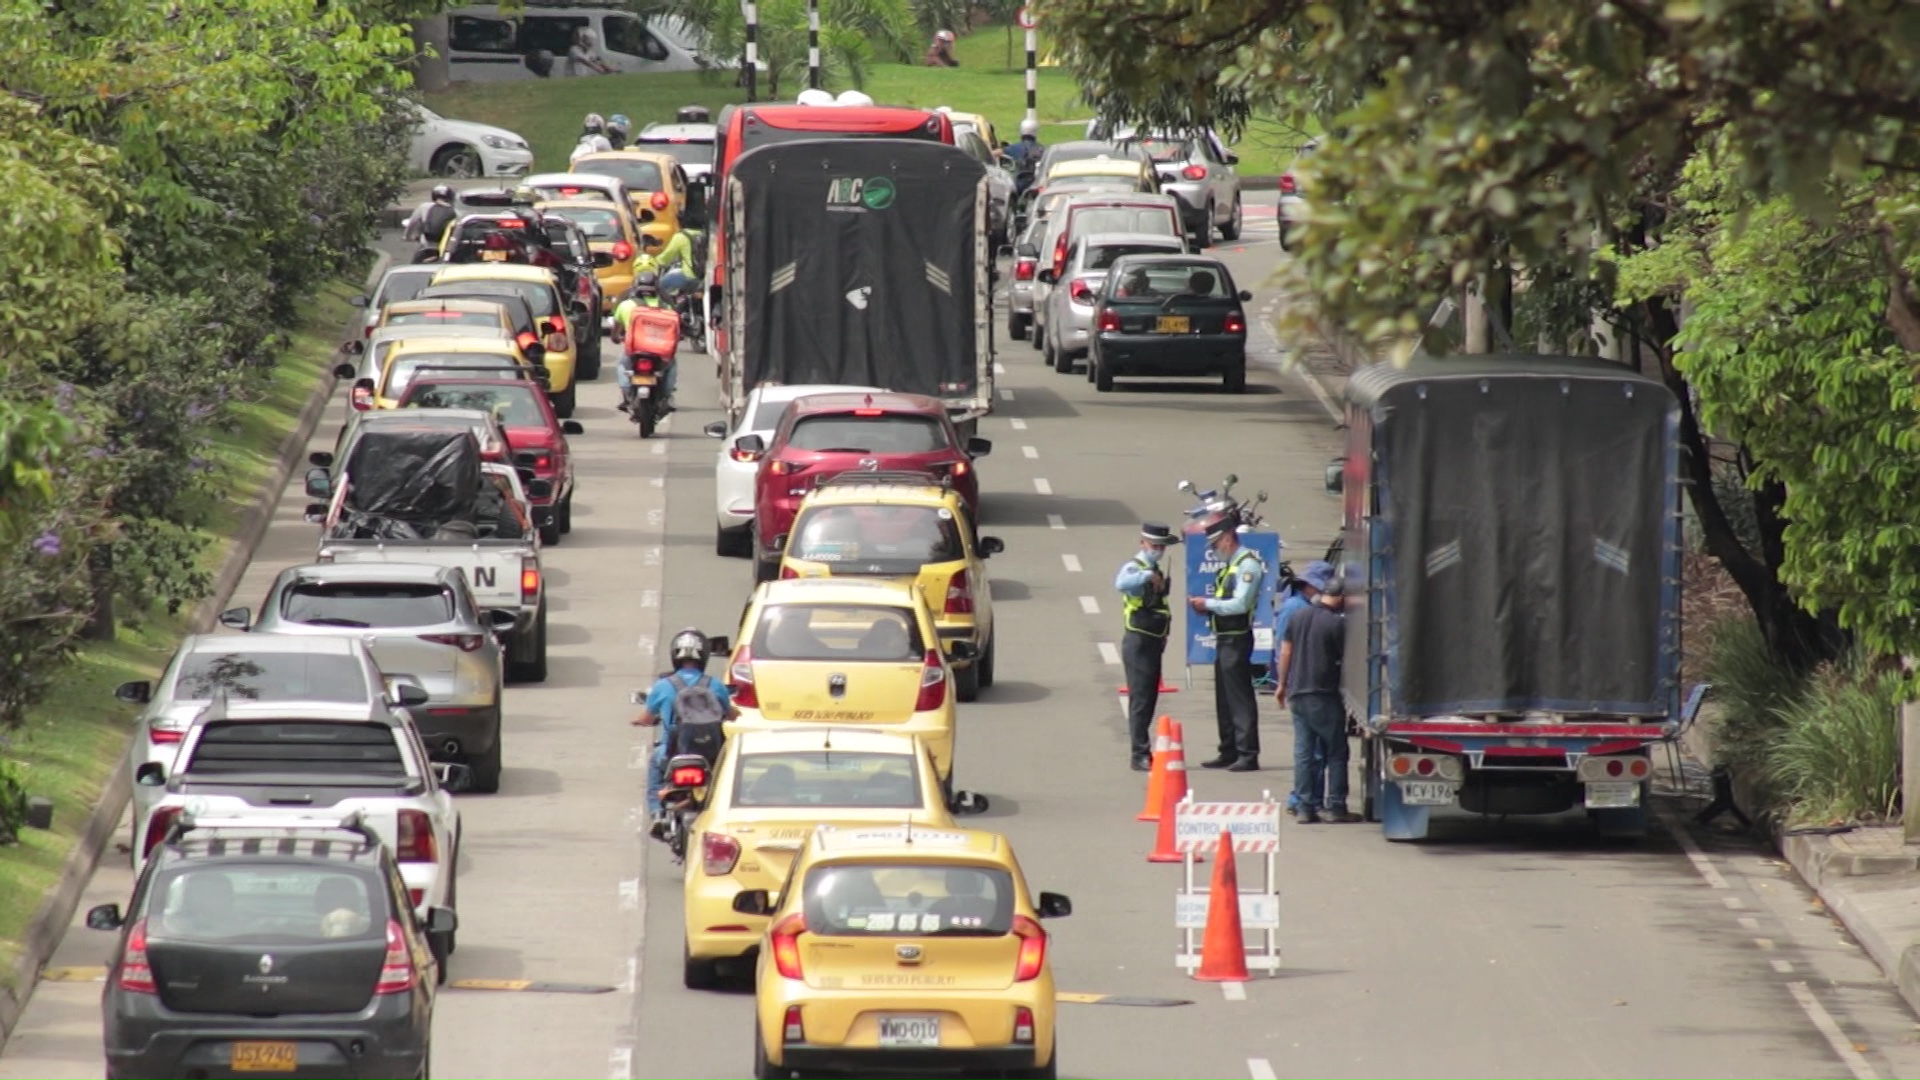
(999, 368)
(1055, 521)
(1698, 858)
(620, 1063)
(657, 448)
(1006, 393)
(1748, 922)
(1109, 652)
(1071, 562)
(1233, 991)
(1822, 1019)
(1784, 967)
(1089, 605)
(1040, 485)
(1017, 424)
(1734, 903)
(1259, 1069)
(1030, 451)
(650, 598)
(630, 894)
(1765, 944)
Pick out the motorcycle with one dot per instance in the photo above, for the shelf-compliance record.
(681, 801)
(693, 323)
(1220, 500)
(646, 401)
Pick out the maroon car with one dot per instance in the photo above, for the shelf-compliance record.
(824, 435)
(536, 435)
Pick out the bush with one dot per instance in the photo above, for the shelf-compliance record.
(13, 803)
(1836, 757)
(1751, 688)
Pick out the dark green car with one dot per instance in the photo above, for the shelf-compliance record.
(1169, 315)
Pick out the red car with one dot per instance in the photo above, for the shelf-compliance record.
(537, 436)
(824, 435)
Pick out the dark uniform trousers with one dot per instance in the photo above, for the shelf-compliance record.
(1234, 704)
(1142, 654)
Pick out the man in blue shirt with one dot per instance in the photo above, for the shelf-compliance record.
(1293, 600)
(1311, 659)
(1142, 584)
(690, 652)
(1235, 595)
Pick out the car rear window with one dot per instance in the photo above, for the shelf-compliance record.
(884, 434)
(517, 310)
(317, 748)
(265, 903)
(900, 535)
(859, 632)
(1102, 257)
(827, 779)
(367, 604)
(399, 287)
(539, 296)
(853, 900)
(1133, 219)
(639, 175)
(442, 318)
(272, 676)
(686, 153)
(573, 191)
(598, 224)
(404, 369)
(767, 416)
(1158, 282)
(513, 404)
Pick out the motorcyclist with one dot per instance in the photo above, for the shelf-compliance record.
(644, 293)
(690, 652)
(673, 262)
(1026, 154)
(593, 138)
(619, 130)
(430, 221)
(940, 53)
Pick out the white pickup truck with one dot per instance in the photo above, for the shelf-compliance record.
(412, 498)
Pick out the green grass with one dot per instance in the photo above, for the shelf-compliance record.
(547, 112)
(70, 744)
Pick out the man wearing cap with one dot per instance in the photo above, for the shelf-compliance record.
(1310, 659)
(1236, 592)
(1142, 584)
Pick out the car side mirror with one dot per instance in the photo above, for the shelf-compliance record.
(315, 513)
(453, 776)
(1231, 159)
(1054, 905)
(1047, 277)
(963, 650)
(238, 618)
(320, 459)
(151, 774)
(442, 920)
(410, 695)
(1004, 251)
(319, 484)
(105, 917)
(138, 692)
(581, 307)
(991, 545)
(602, 260)
(1336, 476)
(750, 444)
(753, 902)
(716, 430)
(978, 447)
(501, 619)
(780, 542)
(360, 301)
(720, 645)
(1246, 296)
(535, 351)
(969, 802)
(352, 348)
(571, 427)
(345, 371)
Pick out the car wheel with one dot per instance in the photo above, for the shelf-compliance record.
(1049, 1071)
(456, 162)
(1090, 369)
(697, 974)
(1034, 335)
(1235, 380)
(550, 534)
(985, 664)
(564, 513)
(426, 1065)
(1102, 378)
(487, 768)
(589, 368)
(1017, 325)
(1285, 244)
(1231, 230)
(732, 543)
(533, 668)
(563, 401)
(762, 1068)
(966, 681)
(438, 947)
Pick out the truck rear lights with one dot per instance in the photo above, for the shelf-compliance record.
(1620, 768)
(160, 736)
(158, 825)
(740, 679)
(785, 939)
(529, 581)
(933, 683)
(415, 843)
(1425, 767)
(1033, 949)
(718, 853)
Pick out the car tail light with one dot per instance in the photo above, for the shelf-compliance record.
(959, 468)
(396, 970)
(659, 200)
(1033, 949)
(1236, 323)
(362, 399)
(783, 467)
(622, 251)
(1023, 1025)
(136, 973)
(718, 853)
(416, 837)
(1109, 321)
(543, 462)
(556, 342)
(1194, 172)
(158, 825)
(785, 938)
(1424, 766)
(788, 573)
(1080, 292)
(512, 223)
(933, 683)
(689, 776)
(1023, 269)
(740, 680)
(463, 642)
(792, 1031)
(1287, 185)
(160, 736)
(1060, 254)
(743, 455)
(959, 594)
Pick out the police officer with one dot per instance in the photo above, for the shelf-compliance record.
(1235, 594)
(1142, 584)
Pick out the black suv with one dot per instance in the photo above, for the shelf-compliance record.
(270, 945)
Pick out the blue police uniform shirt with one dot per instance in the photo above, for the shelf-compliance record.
(1134, 575)
(1248, 572)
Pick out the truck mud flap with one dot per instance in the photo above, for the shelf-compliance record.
(1398, 821)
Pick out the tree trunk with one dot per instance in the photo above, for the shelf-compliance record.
(430, 71)
(100, 571)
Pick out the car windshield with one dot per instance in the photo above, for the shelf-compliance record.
(317, 748)
(912, 535)
(639, 174)
(272, 676)
(850, 900)
(1161, 280)
(858, 632)
(1124, 219)
(442, 317)
(827, 779)
(597, 223)
(1165, 150)
(1102, 257)
(513, 404)
(264, 904)
(401, 375)
(686, 153)
(885, 434)
(367, 604)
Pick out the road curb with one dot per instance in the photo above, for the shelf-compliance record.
(1828, 873)
(50, 921)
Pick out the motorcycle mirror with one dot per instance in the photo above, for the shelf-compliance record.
(1231, 480)
(637, 697)
(1184, 485)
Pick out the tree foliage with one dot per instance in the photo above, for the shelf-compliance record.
(853, 34)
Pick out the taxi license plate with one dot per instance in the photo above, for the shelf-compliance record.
(909, 1031)
(1173, 324)
(264, 1056)
(1612, 796)
(1426, 793)
(493, 256)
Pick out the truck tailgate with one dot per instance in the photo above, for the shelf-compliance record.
(493, 571)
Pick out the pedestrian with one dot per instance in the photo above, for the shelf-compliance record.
(940, 53)
(1293, 599)
(685, 694)
(1235, 594)
(1310, 662)
(1146, 617)
(584, 57)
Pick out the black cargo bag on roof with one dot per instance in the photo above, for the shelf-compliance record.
(422, 478)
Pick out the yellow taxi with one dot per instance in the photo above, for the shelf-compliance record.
(538, 286)
(907, 526)
(770, 790)
(977, 124)
(409, 356)
(905, 947)
(1139, 173)
(845, 651)
(656, 185)
(610, 234)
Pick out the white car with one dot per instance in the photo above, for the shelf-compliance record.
(463, 150)
(734, 471)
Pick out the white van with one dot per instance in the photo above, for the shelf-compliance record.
(485, 44)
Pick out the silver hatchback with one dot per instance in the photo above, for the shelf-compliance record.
(1198, 169)
(1068, 326)
(415, 618)
(1026, 263)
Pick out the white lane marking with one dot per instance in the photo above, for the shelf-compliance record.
(1748, 922)
(657, 481)
(1040, 485)
(1694, 855)
(638, 760)
(646, 644)
(632, 982)
(1089, 605)
(630, 894)
(1055, 521)
(1233, 991)
(1071, 562)
(1109, 652)
(999, 368)
(650, 598)
(1734, 903)
(1822, 1019)
(656, 518)
(1006, 394)
(1765, 944)
(1259, 1069)
(1783, 967)
(620, 1063)
(657, 448)
(650, 556)
(1017, 424)
(1030, 451)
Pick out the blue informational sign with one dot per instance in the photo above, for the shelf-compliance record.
(1202, 565)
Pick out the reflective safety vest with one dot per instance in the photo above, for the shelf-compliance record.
(1224, 586)
(1147, 613)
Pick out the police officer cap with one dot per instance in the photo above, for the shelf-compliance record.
(1155, 533)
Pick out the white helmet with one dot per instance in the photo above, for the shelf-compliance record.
(1029, 127)
(691, 644)
(943, 35)
(853, 97)
(814, 97)
(944, 109)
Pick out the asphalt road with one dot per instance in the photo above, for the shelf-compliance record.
(1526, 948)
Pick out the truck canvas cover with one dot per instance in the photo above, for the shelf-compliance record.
(858, 261)
(1526, 521)
(419, 478)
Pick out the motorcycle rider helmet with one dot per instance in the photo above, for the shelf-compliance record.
(443, 193)
(645, 284)
(1029, 127)
(690, 644)
(853, 97)
(619, 124)
(945, 37)
(814, 97)
(593, 124)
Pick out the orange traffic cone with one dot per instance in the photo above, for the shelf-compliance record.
(1157, 776)
(1163, 845)
(1223, 949)
(1177, 762)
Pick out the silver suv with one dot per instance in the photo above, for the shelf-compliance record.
(416, 618)
(1198, 169)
